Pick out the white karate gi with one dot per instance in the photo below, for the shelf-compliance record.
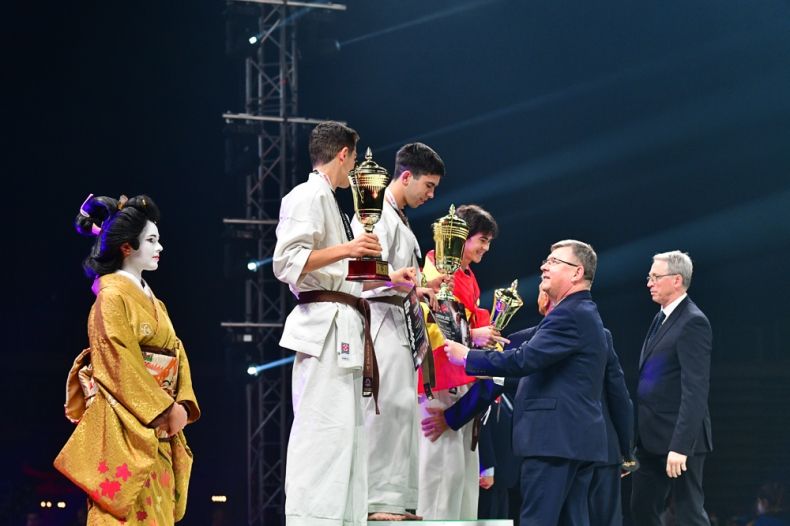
(449, 469)
(393, 435)
(326, 474)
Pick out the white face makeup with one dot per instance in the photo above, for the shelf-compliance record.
(146, 257)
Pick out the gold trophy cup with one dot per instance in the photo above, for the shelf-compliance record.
(449, 236)
(368, 182)
(506, 304)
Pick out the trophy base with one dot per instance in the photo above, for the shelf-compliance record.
(368, 270)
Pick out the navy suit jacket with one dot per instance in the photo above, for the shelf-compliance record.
(674, 378)
(557, 405)
(618, 410)
(483, 392)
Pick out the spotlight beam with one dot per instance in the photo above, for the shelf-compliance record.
(255, 370)
(415, 22)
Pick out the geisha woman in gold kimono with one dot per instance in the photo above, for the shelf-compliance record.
(130, 393)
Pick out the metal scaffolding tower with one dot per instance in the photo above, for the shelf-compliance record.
(261, 144)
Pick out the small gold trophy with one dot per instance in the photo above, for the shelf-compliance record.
(449, 236)
(368, 182)
(506, 304)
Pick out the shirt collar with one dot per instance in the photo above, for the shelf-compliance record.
(672, 306)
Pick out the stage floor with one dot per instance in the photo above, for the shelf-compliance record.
(481, 522)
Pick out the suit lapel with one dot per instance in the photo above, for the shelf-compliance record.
(648, 346)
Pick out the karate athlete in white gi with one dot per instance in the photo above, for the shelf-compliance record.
(393, 435)
(326, 472)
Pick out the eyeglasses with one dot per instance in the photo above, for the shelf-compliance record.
(556, 261)
(652, 278)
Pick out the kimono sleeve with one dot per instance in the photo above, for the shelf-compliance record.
(185, 394)
(117, 360)
(300, 229)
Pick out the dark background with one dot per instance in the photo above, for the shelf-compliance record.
(639, 127)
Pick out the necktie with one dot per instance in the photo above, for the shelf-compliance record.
(657, 321)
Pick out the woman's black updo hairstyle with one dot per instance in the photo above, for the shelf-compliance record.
(114, 222)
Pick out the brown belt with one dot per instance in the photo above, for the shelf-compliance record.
(370, 367)
(476, 423)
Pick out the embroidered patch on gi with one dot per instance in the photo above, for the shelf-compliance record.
(146, 329)
(345, 351)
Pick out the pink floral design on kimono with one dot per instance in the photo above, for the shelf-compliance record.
(141, 515)
(165, 479)
(103, 467)
(110, 488)
(122, 472)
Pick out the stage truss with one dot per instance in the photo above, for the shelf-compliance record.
(261, 142)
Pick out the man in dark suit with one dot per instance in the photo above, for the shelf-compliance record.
(558, 424)
(497, 460)
(673, 422)
(605, 496)
(499, 466)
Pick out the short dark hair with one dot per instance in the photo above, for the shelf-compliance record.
(478, 220)
(418, 158)
(328, 138)
(114, 224)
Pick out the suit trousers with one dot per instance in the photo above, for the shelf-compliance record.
(605, 498)
(651, 486)
(494, 502)
(554, 491)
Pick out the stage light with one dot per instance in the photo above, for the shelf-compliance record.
(49, 504)
(61, 505)
(43, 504)
(254, 370)
(254, 264)
(253, 40)
(219, 498)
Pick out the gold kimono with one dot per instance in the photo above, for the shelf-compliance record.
(116, 454)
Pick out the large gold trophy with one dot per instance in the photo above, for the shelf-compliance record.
(368, 182)
(506, 304)
(449, 236)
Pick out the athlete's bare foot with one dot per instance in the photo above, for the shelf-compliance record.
(409, 516)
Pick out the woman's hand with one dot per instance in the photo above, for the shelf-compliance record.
(176, 419)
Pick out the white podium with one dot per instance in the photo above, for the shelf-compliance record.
(481, 522)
